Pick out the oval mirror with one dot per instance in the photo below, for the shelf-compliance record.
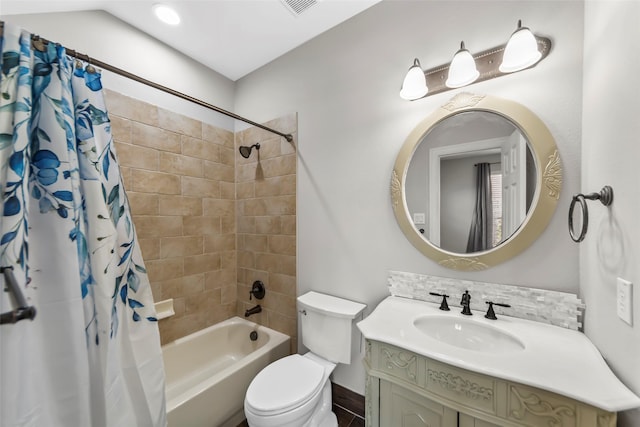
(476, 182)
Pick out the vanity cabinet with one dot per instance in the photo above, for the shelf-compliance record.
(406, 389)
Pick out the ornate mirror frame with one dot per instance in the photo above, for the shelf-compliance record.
(545, 199)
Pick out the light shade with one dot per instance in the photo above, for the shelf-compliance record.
(521, 51)
(166, 14)
(462, 70)
(414, 85)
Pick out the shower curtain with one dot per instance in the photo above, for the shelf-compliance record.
(480, 233)
(92, 356)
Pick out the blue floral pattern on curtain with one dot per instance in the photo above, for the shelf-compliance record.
(66, 229)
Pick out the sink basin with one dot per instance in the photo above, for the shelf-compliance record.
(467, 333)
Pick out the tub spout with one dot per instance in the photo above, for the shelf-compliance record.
(254, 310)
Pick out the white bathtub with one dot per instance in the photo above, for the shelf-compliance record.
(208, 372)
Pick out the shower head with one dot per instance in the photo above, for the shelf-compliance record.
(246, 151)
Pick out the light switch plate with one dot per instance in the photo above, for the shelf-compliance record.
(419, 218)
(624, 300)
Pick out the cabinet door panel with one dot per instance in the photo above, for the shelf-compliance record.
(469, 421)
(402, 408)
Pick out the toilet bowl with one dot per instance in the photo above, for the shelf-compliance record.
(292, 392)
(295, 391)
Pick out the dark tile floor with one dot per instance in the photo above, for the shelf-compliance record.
(345, 418)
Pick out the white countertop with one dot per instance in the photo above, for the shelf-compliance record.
(556, 359)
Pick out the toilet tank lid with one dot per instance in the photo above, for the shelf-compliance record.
(334, 306)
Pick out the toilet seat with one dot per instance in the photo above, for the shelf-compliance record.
(286, 384)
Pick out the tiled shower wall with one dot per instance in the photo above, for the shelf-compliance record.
(266, 203)
(179, 174)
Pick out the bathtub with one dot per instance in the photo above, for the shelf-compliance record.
(208, 372)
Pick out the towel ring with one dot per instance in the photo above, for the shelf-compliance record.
(606, 198)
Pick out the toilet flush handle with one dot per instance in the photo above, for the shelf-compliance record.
(303, 312)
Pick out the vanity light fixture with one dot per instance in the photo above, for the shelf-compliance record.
(523, 50)
(166, 14)
(414, 85)
(462, 70)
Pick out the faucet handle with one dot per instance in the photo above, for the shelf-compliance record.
(492, 314)
(257, 290)
(443, 305)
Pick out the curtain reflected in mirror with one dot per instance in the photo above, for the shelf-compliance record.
(481, 234)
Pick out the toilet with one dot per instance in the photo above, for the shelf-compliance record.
(295, 391)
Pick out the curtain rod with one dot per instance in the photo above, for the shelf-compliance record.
(40, 43)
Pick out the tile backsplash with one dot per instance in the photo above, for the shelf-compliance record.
(552, 307)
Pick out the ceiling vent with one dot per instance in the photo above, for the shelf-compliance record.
(298, 6)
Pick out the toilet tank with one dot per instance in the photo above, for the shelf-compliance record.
(327, 325)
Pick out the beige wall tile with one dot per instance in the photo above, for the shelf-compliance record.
(150, 136)
(280, 205)
(252, 207)
(172, 247)
(165, 269)
(132, 109)
(178, 123)
(229, 294)
(288, 224)
(284, 165)
(282, 283)
(120, 128)
(217, 136)
(199, 187)
(150, 248)
(246, 224)
(228, 190)
(227, 225)
(285, 245)
(219, 171)
(180, 164)
(219, 278)
(199, 225)
(217, 207)
(155, 182)
(227, 156)
(201, 263)
(284, 124)
(143, 203)
(253, 242)
(219, 243)
(189, 205)
(179, 205)
(200, 149)
(268, 225)
(137, 157)
(158, 226)
(276, 186)
(245, 190)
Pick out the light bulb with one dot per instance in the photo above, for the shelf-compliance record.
(166, 14)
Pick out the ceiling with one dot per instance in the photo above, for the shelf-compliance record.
(232, 37)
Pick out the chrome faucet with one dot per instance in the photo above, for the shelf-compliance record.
(464, 302)
(255, 310)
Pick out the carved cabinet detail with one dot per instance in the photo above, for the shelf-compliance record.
(407, 389)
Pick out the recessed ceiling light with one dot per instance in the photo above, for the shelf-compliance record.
(166, 14)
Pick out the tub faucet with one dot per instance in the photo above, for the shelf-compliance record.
(466, 300)
(254, 310)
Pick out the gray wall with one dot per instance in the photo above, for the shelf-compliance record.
(610, 155)
(344, 85)
(108, 39)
